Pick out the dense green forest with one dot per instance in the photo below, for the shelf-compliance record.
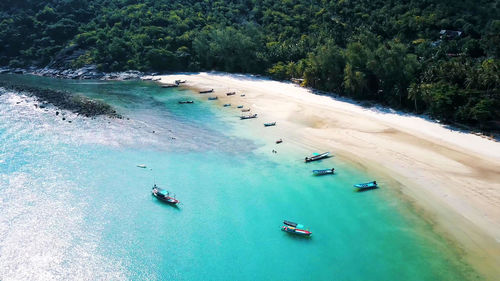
(440, 57)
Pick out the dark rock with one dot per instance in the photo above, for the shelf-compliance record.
(57, 113)
(64, 100)
(64, 118)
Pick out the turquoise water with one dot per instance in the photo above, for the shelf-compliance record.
(75, 206)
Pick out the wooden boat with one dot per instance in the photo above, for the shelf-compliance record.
(169, 85)
(240, 106)
(366, 185)
(297, 231)
(231, 93)
(213, 98)
(269, 124)
(249, 116)
(317, 157)
(163, 195)
(186, 101)
(180, 82)
(324, 172)
(279, 141)
(293, 224)
(227, 104)
(245, 110)
(206, 91)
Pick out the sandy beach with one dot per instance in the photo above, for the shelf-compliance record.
(452, 177)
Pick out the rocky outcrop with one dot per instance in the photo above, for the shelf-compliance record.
(65, 100)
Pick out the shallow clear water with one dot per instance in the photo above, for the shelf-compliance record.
(73, 204)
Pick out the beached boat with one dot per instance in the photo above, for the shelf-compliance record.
(316, 157)
(163, 195)
(186, 101)
(227, 104)
(213, 98)
(180, 82)
(366, 185)
(242, 95)
(240, 106)
(231, 93)
(279, 141)
(269, 124)
(245, 110)
(297, 231)
(323, 172)
(206, 91)
(249, 116)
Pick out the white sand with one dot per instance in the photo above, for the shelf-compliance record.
(453, 176)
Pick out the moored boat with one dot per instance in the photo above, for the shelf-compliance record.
(163, 195)
(245, 110)
(248, 116)
(366, 185)
(186, 101)
(297, 231)
(213, 98)
(141, 166)
(279, 141)
(227, 104)
(324, 172)
(317, 157)
(240, 106)
(180, 82)
(269, 124)
(231, 93)
(206, 91)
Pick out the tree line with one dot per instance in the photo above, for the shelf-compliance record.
(439, 57)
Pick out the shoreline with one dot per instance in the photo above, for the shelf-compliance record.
(452, 176)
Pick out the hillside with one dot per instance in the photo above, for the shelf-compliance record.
(440, 57)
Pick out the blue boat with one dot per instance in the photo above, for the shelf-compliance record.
(324, 172)
(240, 106)
(269, 124)
(212, 98)
(366, 185)
(227, 104)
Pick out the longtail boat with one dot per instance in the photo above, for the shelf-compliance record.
(248, 116)
(279, 141)
(269, 124)
(240, 106)
(213, 98)
(297, 231)
(366, 185)
(227, 104)
(163, 195)
(231, 93)
(324, 172)
(206, 91)
(186, 101)
(317, 157)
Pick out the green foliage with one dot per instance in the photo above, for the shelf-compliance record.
(387, 51)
